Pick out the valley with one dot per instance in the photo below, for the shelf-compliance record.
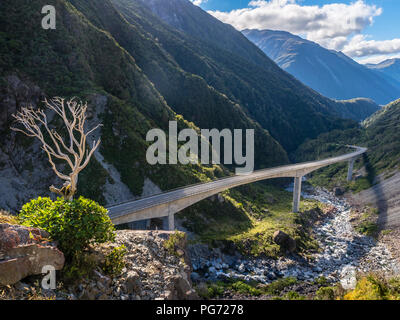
(156, 73)
(340, 256)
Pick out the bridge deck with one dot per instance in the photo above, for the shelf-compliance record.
(170, 202)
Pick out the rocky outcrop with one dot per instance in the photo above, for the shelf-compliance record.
(25, 251)
(15, 94)
(151, 270)
(24, 168)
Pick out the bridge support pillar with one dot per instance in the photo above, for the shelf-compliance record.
(350, 170)
(297, 194)
(171, 222)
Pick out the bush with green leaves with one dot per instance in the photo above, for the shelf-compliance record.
(115, 261)
(245, 288)
(74, 224)
(325, 293)
(276, 287)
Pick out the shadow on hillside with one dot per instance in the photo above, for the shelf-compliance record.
(379, 194)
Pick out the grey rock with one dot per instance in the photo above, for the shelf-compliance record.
(338, 191)
(195, 276)
(133, 283)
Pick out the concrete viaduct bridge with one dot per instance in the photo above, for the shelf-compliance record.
(167, 204)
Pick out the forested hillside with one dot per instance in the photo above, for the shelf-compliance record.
(357, 109)
(186, 93)
(290, 111)
(81, 60)
(138, 73)
(380, 133)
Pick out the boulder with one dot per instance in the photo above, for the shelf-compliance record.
(195, 276)
(338, 191)
(133, 283)
(181, 288)
(25, 251)
(330, 210)
(12, 236)
(286, 243)
(104, 280)
(89, 294)
(348, 277)
(16, 93)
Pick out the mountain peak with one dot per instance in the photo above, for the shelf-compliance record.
(384, 64)
(389, 67)
(329, 72)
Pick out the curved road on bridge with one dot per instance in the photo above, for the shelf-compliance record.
(171, 202)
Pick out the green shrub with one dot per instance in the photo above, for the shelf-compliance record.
(293, 295)
(368, 288)
(322, 281)
(279, 285)
(74, 224)
(173, 241)
(216, 290)
(368, 228)
(81, 266)
(210, 290)
(245, 288)
(360, 185)
(375, 287)
(115, 261)
(325, 293)
(38, 213)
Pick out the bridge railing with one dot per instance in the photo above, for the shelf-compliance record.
(161, 199)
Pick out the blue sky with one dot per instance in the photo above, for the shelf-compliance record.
(366, 30)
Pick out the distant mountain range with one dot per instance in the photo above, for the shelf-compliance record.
(390, 67)
(329, 72)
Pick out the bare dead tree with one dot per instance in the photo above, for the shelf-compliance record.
(72, 148)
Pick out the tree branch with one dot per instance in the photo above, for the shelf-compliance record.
(35, 123)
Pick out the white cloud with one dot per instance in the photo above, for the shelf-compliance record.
(319, 23)
(335, 26)
(359, 46)
(376, 59)
(198, 2)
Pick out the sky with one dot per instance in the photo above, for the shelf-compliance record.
(366, 30)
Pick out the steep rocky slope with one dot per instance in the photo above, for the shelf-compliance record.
(137, 74)
(79, 59)
(186, 93)
(290, 111)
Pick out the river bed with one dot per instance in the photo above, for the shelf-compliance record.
(344, 252)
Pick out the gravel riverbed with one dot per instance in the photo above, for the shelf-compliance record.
(344, 252)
